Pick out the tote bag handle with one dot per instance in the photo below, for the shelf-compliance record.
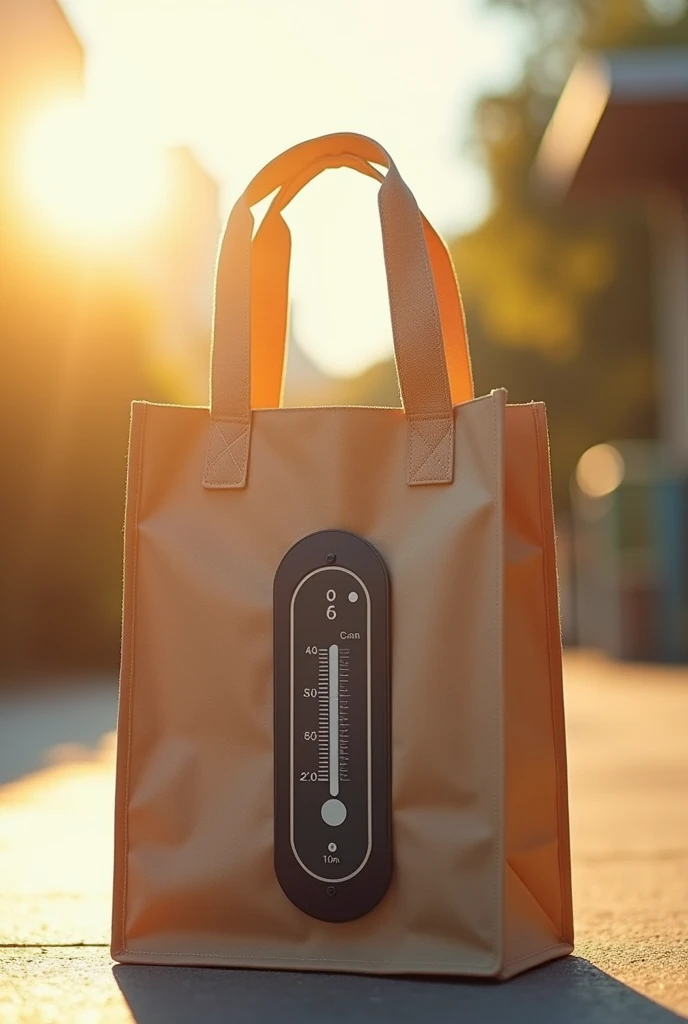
(270, 259)
(416, 326)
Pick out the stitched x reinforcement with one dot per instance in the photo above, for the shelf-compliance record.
(227, 455)
(431, 451)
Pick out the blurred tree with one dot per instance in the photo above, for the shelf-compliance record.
(558, 298)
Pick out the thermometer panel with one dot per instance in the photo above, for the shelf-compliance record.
(332, 725)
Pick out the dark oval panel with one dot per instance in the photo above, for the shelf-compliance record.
(332, 726)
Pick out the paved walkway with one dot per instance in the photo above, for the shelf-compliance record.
(628, 754)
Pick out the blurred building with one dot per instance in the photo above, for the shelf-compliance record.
(40, 58)
(176, 260)
(621, 128)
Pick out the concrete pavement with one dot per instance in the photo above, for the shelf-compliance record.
(628, 758)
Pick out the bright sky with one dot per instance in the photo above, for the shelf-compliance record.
(241, 80)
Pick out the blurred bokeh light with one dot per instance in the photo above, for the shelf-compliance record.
(600, 470)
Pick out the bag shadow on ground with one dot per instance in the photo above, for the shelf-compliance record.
(569, 991)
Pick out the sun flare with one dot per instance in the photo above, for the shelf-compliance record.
(90, 181)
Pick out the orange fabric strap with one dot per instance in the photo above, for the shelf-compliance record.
(270, 293)
(416, 325)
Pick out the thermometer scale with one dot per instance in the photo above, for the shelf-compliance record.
(332, 774)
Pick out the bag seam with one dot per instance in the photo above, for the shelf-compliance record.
(535, 956)
(307, 959)
(498, 856)
(555, 737)
(327, 408)
(130, 677)
(529, 956)
(411, 417)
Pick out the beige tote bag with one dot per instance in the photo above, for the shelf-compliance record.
(341, 737)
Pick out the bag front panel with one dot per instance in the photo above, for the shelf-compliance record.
(194, 875)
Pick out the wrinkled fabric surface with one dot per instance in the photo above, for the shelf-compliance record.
(481, 882)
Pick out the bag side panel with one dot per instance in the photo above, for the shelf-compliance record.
(134, 470)
(537, 870)
(195, 811)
